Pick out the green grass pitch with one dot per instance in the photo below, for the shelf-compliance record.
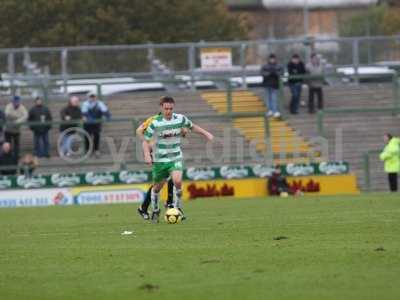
(293, 248)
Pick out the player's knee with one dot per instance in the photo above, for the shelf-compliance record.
(178, 184)
(157, 188)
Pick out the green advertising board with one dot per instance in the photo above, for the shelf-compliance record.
(192, 173)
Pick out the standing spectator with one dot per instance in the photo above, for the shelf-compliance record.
(391, 158)
(28, 165)
(295, 68)
(40, 113)
(315, 68)
(93, 111)
(8, 162)
(16, 114)
(2, 124)
(73, 115)
(271, 73)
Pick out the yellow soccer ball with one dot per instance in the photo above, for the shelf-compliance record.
(173, 216)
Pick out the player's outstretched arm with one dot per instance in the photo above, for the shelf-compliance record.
(203, 132)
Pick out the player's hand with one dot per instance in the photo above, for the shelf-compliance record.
(148, 160)
(184, 132)
(209, 137)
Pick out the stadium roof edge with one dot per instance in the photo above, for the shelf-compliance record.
(244, 4)
(297, 4)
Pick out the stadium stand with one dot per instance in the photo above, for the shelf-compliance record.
(138, 105)
(361, 131)
(283, 138)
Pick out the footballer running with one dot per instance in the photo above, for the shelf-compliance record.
(162, 150)
(143, 208)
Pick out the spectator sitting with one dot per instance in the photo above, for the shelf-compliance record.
(295, 68)
(40, 113)
(28, 165)
(16, 114)
(73, 115)
(93, 111)
(315, 68)
(271, 73)
(8, 162)
(277, 184)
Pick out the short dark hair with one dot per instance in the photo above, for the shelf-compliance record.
(295, 55)
(388, 135)
(167, 99)
(272, 55)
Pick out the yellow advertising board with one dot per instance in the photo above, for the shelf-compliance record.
(237, 188)
(257, 187)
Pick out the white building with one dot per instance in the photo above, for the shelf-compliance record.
(296, 18)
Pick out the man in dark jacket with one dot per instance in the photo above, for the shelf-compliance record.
(94, 111)
(271, 73)
(295, 68)
(39, 113)
(72, 115)
(8, 160)
(277, 184)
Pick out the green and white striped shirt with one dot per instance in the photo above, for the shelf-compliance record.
(167, 134)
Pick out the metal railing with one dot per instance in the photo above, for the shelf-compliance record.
(394, 109)
(367, 156)
(61, 89)
(229, 88)
(183, 58)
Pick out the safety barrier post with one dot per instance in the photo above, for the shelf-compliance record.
(396, 93)
(356, 60)
(320, 123)
(269, 156)
(243, 48)
(45, 90)
(367, 177)
(64, 69)
(11, 71)
(192, 65)
(281, 97)
(228, 97)
(135, 125)
(98, 90)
